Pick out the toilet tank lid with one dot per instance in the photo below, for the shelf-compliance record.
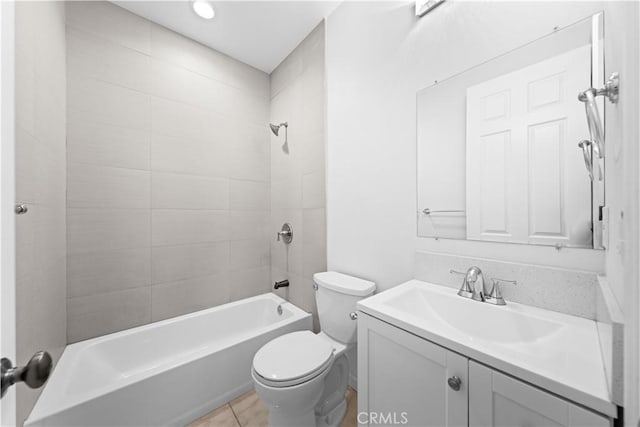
(344, 283)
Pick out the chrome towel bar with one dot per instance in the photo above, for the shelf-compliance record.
(428, 211)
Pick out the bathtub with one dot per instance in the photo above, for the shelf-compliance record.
(165, 373)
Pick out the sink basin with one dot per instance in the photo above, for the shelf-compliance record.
(554, 351)
(476, 320)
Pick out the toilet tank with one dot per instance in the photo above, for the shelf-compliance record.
(336, 298)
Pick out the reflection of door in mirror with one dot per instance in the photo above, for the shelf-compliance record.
(525, 176)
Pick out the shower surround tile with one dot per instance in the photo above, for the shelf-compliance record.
(96, 229)
(168, 173)
(180, 191)
(173, 263)
(93, 273)
(111, 23)
(180, 50)
(298, 175)
(40, 171)
(95, 143)
(106, 60)
(184, 226)
(189, 295)
(248, 195)
(189, 155)
(108, 103)
(96, 186)
(103, 314)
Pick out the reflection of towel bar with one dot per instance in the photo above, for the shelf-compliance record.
(428, 211)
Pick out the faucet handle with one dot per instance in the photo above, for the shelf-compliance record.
(498, 280)
(465, 289)
(495, 296)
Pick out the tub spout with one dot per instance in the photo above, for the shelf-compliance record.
(281, 284)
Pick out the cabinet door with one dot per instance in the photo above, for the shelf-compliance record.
(496, 399)
(402, 379)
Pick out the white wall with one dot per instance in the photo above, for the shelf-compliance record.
(40, 184)
(168, 173)
(622, 53)
(378, 56)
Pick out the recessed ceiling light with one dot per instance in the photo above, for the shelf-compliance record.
(203, 9)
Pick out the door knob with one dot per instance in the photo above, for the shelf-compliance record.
(454, 382)
(34, 374)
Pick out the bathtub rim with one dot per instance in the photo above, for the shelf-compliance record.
(55, 405)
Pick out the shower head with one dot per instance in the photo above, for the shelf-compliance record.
(276, 128)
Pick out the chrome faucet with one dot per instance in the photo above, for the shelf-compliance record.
(474, 287)
(475, 281)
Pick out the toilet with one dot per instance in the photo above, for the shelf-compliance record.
(303, 376)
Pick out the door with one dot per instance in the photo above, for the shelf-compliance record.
(7, 197)
(526, 180)
(496, 399)
(404, 379)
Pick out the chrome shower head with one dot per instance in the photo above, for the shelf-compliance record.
(276, 128)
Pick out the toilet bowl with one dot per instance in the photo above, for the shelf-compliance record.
(303, 376)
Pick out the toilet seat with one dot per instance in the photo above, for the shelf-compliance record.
(293, 359)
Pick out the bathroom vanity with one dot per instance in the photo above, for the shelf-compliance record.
(428, 357)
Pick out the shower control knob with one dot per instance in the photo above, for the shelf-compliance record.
(286, 233)
(35, 374)
(455, 383)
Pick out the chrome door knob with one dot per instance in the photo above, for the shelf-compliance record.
(34, 375)
(455, 383)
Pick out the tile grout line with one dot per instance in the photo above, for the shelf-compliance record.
(234, 414)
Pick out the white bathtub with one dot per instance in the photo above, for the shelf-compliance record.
(166, 373)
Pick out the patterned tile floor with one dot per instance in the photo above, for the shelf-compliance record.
(249, 410)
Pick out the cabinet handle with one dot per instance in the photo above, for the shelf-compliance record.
(454, 382)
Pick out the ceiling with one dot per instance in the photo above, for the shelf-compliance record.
(258, 33)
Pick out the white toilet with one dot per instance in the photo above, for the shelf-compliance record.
(303, 376)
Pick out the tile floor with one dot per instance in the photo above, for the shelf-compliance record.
(249, 410)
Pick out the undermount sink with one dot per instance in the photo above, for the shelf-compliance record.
(555, 351)
(479, 321)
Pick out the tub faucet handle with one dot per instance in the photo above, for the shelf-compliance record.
(286, 233)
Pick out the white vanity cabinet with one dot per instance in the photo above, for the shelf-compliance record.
(403, 379)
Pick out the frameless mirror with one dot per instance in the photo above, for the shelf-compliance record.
(498, 146)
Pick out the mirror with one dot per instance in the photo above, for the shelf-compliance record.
(498, 146)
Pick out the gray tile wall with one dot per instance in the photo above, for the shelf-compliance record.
(298, 177)
(168, 173)
(40, 184)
